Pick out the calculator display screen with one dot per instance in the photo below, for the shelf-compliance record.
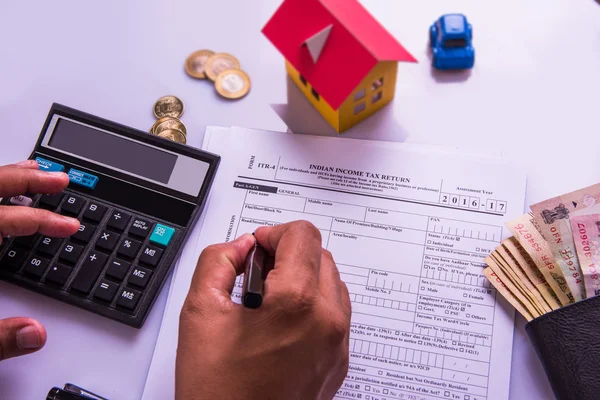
(113, 150)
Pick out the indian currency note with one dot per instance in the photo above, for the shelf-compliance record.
(503, 290)
(522, 292)
(534, 244)
(513, 266)
(552, 219)
(511, 287)
(586, 236)
(535, 275)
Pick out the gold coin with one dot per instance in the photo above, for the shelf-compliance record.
(168, 123)
(173, 134)
(218, 63)
(233, 84)
(194, 64)
(168, 106)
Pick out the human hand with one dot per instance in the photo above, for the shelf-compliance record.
(19, 336)
(294, 346)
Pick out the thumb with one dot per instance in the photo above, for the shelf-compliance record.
(219, 265)
(20, 336)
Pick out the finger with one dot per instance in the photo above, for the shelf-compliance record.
(28, 164)
(20, 336)
(296, 247)
(219, 265)
(19, 180)
(346, 303)
(25, 221)
(329, 278)
(330, 283)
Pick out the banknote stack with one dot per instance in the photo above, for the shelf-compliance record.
(221, 68)
(553, 257)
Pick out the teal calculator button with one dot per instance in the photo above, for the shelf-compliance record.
(82, 178)
(47, 165)
(162, 235)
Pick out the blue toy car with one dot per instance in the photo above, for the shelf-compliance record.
(451, 42)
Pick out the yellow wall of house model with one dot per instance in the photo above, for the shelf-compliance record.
(379, 86)
(374, 97)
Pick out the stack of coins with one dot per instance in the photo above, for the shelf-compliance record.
(221, 68)
(168, 110)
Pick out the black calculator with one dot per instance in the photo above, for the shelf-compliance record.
(137, 197)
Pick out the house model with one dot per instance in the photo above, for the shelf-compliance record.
(339, 56)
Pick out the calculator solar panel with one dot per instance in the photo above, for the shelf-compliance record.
(137, 197)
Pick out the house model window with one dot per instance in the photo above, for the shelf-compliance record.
(377, 84)
(315, 93)
(359, 95)
(359, 107)
(376, 97)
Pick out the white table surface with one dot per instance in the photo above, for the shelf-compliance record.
(533, 96)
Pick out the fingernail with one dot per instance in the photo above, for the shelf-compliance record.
(69, 219)
(28, 338)
(243, 237)
(55, 173)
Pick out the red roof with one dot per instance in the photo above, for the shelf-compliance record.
(356, 43)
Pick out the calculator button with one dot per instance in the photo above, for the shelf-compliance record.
(82, 178)
(58, 274)
(36, 266)
(85, 232)
(51, 201)
(94, 212)
(21, 201)
(129, 298)
(139, 277)
(151, 255)
(140, 228)
(49, 166)
(27, 241)
(117, 269)
(72, 205)
(129, 248)
(162, 235)
(107, 240)
(13, 259)
(106, 291)
(71, 252)
(49, 246)
(89, 272)
(118, 220)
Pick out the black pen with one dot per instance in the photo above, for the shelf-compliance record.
(255, 271)
(72, 392)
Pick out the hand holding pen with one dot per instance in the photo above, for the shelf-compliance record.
(232, 351)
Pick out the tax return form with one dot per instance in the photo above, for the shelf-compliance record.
(408, 229)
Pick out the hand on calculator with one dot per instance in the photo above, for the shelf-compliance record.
(19, 336)
(295, 346)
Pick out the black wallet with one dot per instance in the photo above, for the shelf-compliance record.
(567, 341)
